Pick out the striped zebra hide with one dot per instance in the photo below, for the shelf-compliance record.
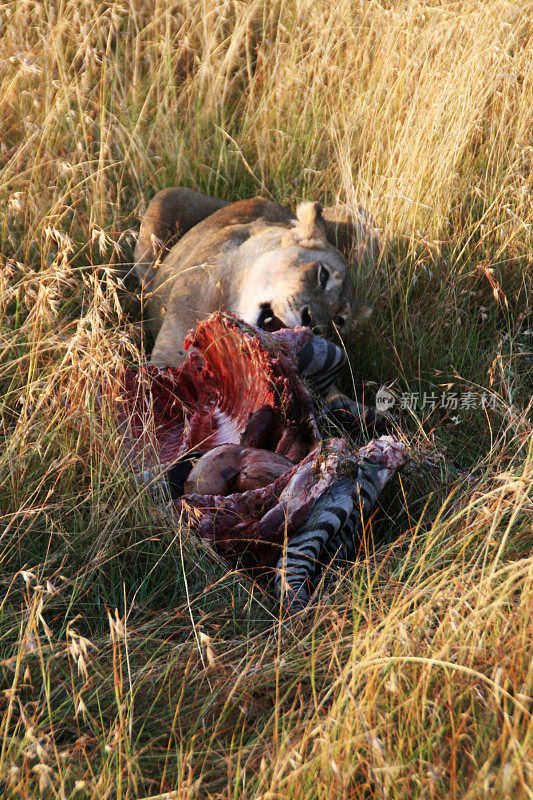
(235, 434)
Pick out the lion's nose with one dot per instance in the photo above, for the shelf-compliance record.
(307, 319)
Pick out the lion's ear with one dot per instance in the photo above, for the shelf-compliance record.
(310, 225)
(309, 230)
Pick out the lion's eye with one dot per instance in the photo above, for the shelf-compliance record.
(338, 321)
(323, 275)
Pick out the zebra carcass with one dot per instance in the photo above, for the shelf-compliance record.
(234, 430)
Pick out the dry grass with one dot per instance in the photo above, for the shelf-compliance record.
(413, 677)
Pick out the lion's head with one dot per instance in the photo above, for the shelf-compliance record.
(301, 280)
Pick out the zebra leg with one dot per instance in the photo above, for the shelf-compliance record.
(320, 361)
(297, 568)
(367, 485)
(354, 417)
(329, 533)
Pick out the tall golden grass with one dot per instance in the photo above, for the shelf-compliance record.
(133, 663)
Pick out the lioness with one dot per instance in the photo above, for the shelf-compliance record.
(255, 258)
(273, 269)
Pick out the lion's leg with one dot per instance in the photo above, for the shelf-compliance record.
(168, 350)
(194, 295)
(171, 213)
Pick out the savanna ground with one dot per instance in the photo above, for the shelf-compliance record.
(132, 662)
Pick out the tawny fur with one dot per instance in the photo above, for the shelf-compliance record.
(309, 230)
(197, 254)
